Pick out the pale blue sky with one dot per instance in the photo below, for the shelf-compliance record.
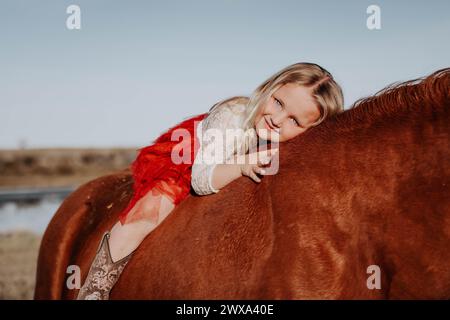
(138, 67)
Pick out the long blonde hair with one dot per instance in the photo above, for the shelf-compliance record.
(327, 93)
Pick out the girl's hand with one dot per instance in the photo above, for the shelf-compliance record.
(255, 162)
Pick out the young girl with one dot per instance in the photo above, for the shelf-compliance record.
(296, 98)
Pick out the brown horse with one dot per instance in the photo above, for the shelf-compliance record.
(370, 187)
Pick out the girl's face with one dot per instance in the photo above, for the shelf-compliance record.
(288, 112)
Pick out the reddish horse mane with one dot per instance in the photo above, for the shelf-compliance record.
(423, 94)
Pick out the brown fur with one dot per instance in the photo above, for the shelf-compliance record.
(369, 186)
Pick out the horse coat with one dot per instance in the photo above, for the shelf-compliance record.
(363, 195)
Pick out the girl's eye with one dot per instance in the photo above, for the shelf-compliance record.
(295, 121)
(277, 102)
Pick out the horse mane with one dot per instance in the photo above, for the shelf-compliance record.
(408, 99)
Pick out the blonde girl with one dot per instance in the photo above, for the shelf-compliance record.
(287, 104)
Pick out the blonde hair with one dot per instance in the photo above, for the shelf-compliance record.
(327, 93)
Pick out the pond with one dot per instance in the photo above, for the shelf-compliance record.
(33, 216)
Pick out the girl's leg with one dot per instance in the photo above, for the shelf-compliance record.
(117, 245)
(124, 239)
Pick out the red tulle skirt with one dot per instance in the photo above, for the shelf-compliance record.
(154, 171)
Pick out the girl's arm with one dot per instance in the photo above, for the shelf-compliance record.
(224, 173)
(221, 118)
(209, 178)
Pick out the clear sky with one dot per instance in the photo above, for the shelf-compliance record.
(135, 68)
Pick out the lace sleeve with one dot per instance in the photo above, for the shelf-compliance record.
(210, 153)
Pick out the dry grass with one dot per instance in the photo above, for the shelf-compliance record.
(60, 167)
(18, 259)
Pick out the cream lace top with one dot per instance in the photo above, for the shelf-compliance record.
(221, 117)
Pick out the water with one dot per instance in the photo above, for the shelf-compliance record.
(31, 216)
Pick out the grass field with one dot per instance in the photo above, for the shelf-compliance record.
(18, 258)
